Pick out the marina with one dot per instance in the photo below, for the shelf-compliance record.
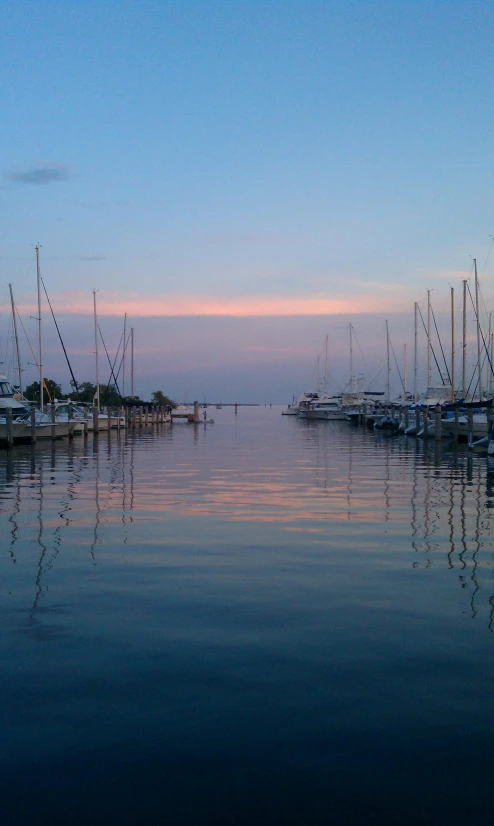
(219, 608)
(270, 604)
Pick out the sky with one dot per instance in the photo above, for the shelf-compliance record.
(242, 179)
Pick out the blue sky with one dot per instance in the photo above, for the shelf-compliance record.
(252, 158)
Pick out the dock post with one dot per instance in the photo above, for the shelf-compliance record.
(86, 425)
(146, 415)
(196, 411)
(140, 415)
(10, 427)
(490, 421)
(71, 423)
(33, 426)
(470, 425)
(95, 422)
(457, 416)
(417, 421)
(118, 421)
(52, 420)
(407, 416)
(426, 424)
(437, 424)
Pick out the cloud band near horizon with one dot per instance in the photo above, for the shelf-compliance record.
(116, 304)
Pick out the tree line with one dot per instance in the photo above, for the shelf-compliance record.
(87, 394)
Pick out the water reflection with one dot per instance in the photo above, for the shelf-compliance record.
(324, 482)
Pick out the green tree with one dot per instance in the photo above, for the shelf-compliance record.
(87, 392)
(109, 396)
(52, 390)
(159, 398)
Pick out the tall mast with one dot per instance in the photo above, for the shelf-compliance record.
(478, 328)
(492, 354)
(452, 344)
(351, 354)
(464, 343)
(131, 361)
(415, 362)
(124, 349)
(389, 366)
(326, 367)
(405, 369)
(96, 351)
(14, 320)
(428, 338)
(489, 360)
(38, 272)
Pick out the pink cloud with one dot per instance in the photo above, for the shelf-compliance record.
(390, 298)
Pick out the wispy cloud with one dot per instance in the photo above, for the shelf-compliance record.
(45, 173)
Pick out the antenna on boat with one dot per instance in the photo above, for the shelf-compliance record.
(464, 342)
(38, 272)
(415, 361)
(405, 369)
(351, 355)
(124, 349)
(428, 338)
(389, 364)
(131, 361)
(452, 344)
(14, 319)
(96, 350)
(326, 367)
(478, 327)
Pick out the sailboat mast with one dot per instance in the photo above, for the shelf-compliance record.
(428, 338)
(478, 328)
(464, 343)
(389, 366)
(38, 272)
(131, 361)
(492, 353)
(124, 349)
(351, 355)
(405, 369)
(452, 344)
(488, 378)
(96, 351)
(326, 367)
(14, 320)
(415, 362)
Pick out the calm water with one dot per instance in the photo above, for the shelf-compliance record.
(261, 621)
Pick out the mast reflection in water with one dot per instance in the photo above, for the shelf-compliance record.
(263, 620)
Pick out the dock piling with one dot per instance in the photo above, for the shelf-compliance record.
(33, 426)
(470, 425)
(437, 424)
(10, 427)
(71, 420)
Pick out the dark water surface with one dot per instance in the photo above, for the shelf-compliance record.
(261, 621)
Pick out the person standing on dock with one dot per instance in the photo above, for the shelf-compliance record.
(236, 405)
